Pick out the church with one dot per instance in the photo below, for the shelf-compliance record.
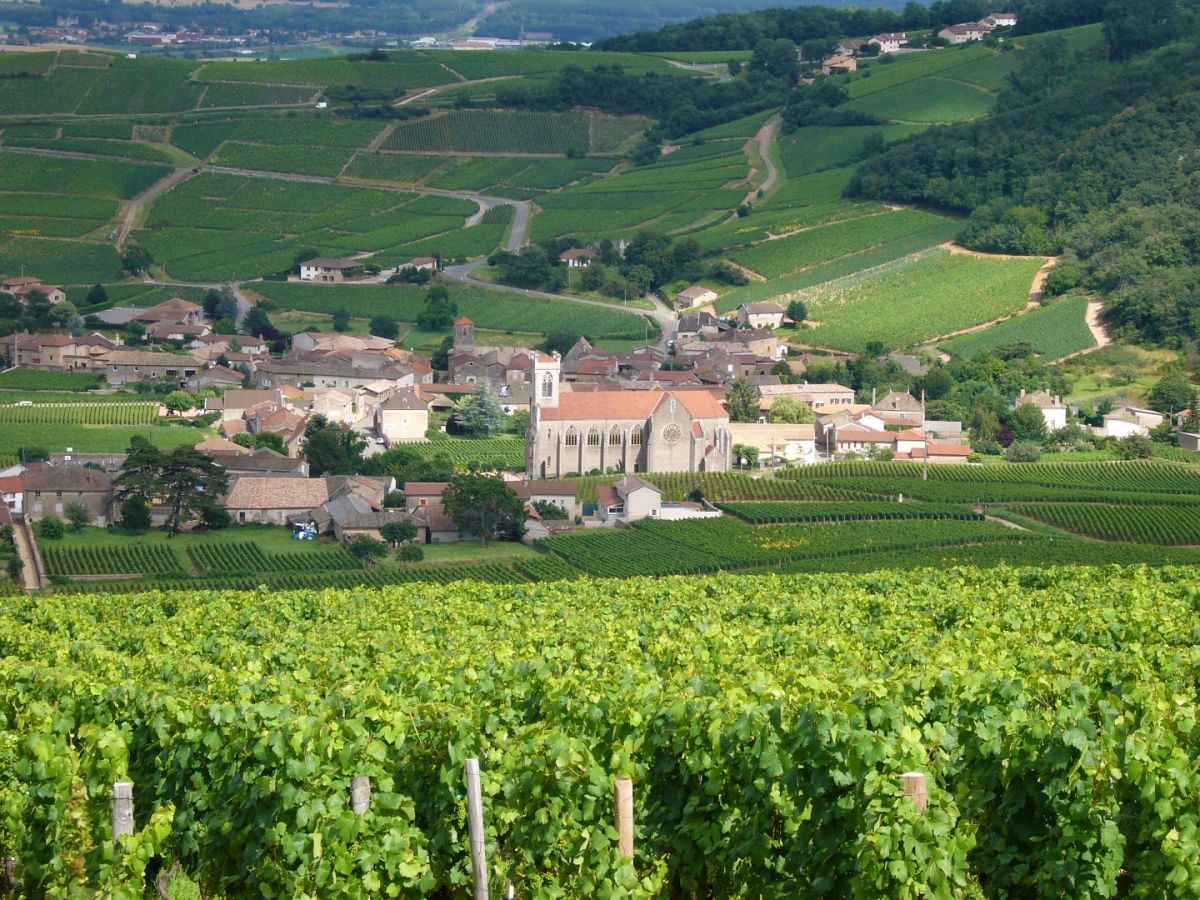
(574, 433)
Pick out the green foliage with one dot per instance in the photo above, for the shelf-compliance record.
(1023, 451)
(485, 507)
(479, 413)
(78, 515)
(742, 401)
(515, 132)
(1052, 332)
(135, 514)
(411, 553)
(364, 547)
(1171, 394)
(51, 528)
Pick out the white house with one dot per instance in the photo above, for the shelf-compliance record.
(1053, 410)
(1130, 420)
(964, 32)
(794, 444)
(760, 315)
(421, 264)
(403, 417)
(889, 42)
(1002, 20)
(328, 270)
(628, 500)
(577, 257)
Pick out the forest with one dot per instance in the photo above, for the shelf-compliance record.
(736, 31)
(1084, 157)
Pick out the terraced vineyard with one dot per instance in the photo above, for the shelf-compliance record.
(515, 132)
(1162, 525)
(233, 558)
(1052, 331)
(922, 296)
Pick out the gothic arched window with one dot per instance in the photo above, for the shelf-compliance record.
(594, 437)
(572, 437)
(635, 436)
(547, 385)
(614, 437)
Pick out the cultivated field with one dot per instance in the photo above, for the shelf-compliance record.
(515, 132)
(916, 298)
(1053, 332)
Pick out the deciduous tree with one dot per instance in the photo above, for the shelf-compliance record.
(484, 506)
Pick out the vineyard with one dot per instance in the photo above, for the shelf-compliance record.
(1163, 525)
(137, 413)
(500, 452)
(36, 380)
(128, 560)
(773, 513)
(1052, 331)
(724, 544)
(515, 132)
(765, 724)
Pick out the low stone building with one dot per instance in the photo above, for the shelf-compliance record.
(49, 489)
(628, 500)
(402, 417)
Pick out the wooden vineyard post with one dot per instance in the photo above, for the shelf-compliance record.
(360, 794)
(122, 810)
(915, 788)
(8, 876)
(623, 799)
(475, 823)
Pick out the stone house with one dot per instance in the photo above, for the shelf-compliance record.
(403, 417)
(629, 500)
(1052, 407)
(760, 315)
(49, 489)
(328, 270)
(121, 367)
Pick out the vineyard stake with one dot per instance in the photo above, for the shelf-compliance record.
(623, 797)
(360, 794)
(914, 787)
(475, 822)
(122, 810)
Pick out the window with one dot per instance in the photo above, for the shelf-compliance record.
(614, 437)
(572, 437)
(635, 436)
(672, 434)
(594, 437)
(547, 385)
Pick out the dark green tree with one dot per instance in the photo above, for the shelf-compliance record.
(189, 482)
(484, 506)
(396, 533)
(341, 320)
(97, 294)
(135, 514)
(385, 327)
(78, 515)
(1171, 394)
(797, 311)
(140, 472)
(479, 414)
(742, 401)
(1027, 423)
(440, 309)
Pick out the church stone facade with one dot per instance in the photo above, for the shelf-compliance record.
(624, 431)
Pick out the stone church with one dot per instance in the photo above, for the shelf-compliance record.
(622, 431)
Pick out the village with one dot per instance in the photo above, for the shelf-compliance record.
(721, 394)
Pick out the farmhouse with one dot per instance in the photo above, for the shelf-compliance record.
(577, 257)
(121, 367)
(421, 264)
(1053, 410)
(889, 42)
(1130, 420)
(1001, 20)
(760, 315)
(328, 270)
(175, 311)
(262, 462)
(563, 494)
(25, 285)
(824, 396)
(632, 431)
(271, 501)
(214, 377)
(839, 64)
(54, 352)
(696, 295)
(965, 32)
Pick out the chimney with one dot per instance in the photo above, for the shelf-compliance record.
(872, 396)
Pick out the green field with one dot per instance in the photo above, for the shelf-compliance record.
(916, 298)
(36, 380)
(405, 70)
(95, 438)
(931, 100)
(1052, 331)
(214, 227)
(786, 255)
(494, 310)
